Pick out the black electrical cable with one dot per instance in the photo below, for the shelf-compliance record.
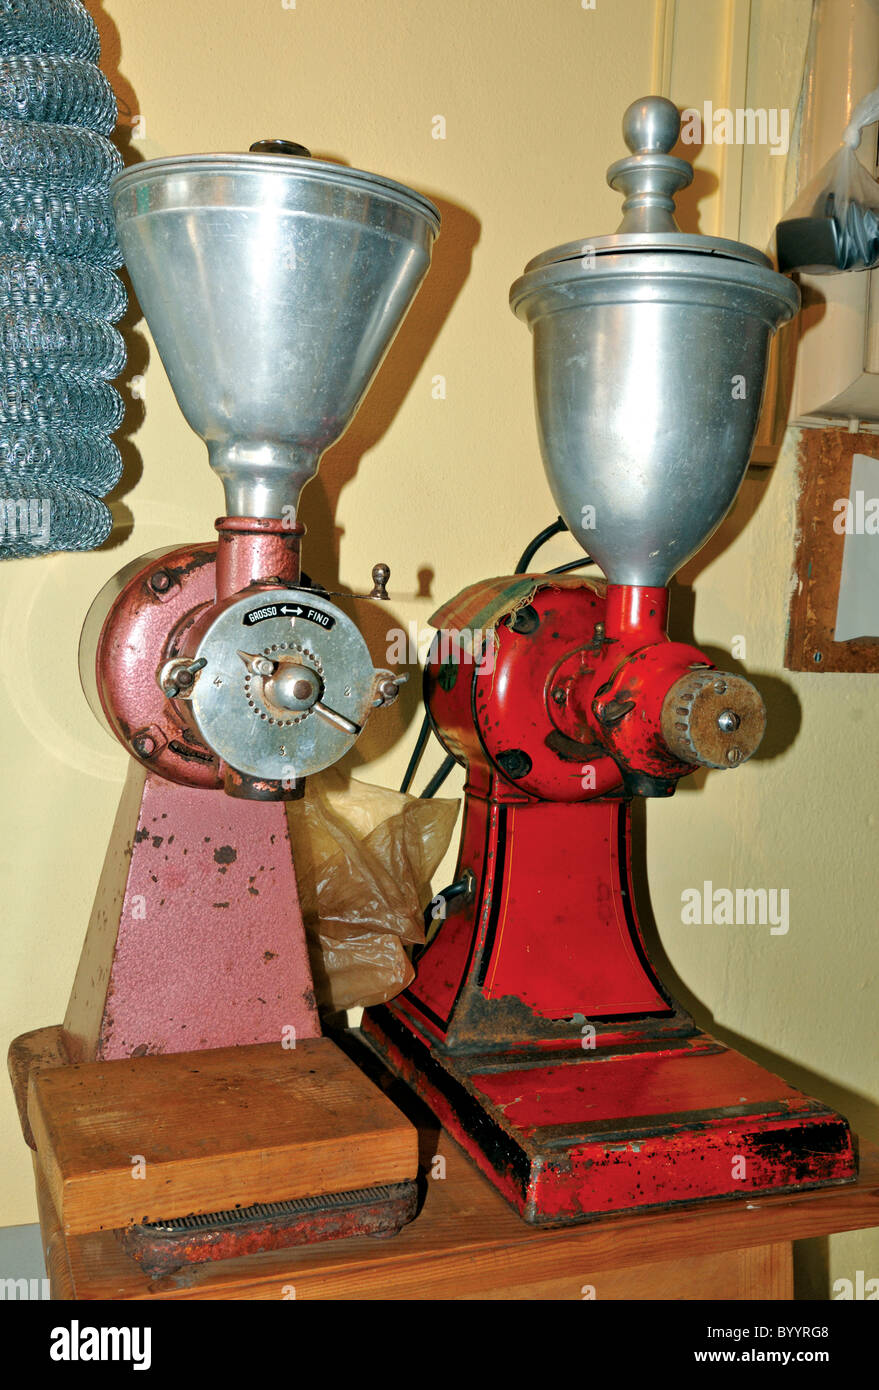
(420, 745)
(531, 550)
(572, 565)
(438, 778)
(446, 766)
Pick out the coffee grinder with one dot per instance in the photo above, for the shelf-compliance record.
(273, 284)
(537, 1028)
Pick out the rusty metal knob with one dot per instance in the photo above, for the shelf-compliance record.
(380, 576)
(713, 719)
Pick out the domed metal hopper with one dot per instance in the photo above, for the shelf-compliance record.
(650, 354)
(273, 285)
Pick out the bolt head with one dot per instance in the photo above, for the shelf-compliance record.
(293, 687)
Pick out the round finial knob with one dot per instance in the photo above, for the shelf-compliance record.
(651, 125)
(650, 177)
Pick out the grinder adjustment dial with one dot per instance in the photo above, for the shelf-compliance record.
(285, 683)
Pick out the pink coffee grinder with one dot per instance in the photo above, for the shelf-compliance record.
(272, 284)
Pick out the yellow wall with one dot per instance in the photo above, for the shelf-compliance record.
(532, 94)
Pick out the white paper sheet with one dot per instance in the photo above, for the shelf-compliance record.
(857, 609)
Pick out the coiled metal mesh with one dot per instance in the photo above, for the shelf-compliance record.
(59, 296)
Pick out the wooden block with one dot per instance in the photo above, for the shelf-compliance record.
(215, 1129)
(32, 1052)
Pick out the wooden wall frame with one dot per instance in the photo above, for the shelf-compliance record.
(825, 469)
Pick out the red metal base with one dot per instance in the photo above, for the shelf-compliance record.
(586, 1134)
(162, 1248)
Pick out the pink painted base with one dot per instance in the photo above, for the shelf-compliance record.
(196, 937)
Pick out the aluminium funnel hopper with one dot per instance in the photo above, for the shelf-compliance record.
(273, 285)
(650, 351)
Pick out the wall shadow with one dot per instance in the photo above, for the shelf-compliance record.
(450, 267)
(811, 1263)
(322, 543)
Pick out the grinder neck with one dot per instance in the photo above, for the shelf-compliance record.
(636, 614)
(257, 550)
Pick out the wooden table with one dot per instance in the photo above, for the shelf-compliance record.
(467, 1244)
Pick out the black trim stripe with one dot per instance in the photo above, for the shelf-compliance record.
(443, 1023)
(629, 910)
(498, 884)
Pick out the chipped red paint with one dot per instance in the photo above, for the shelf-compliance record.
(157, 600)
(588, 1158)
(164, 603)
(206, 947)
(536, 1027)
(256, 550)
(581, 693)
(194, 950)
(371, 1212)
(550, 926)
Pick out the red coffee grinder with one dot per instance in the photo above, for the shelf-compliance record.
(537, 1028)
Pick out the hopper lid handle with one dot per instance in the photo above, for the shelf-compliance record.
(650, 177)
(288, 147)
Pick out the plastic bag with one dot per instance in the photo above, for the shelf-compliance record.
(364, 859)
(834, 223)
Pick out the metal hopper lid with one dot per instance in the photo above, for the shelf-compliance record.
(649, 178)
(284, 157)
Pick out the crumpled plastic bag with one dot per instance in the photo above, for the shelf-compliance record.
(834, 223)
(364, 858)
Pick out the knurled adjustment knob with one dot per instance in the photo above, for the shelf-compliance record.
(713, 719)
